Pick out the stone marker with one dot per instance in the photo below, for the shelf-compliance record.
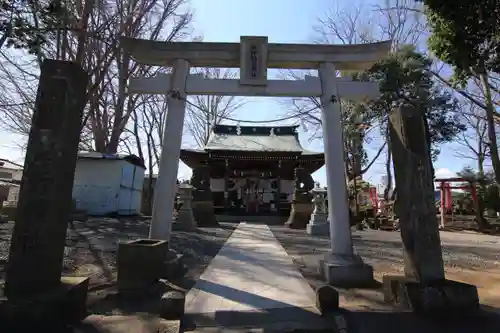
(327, 299)
(44, 206)
(424, 287)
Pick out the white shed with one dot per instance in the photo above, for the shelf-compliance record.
(10, 179)
(108, 183)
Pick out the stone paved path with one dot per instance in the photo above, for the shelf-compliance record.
(252, 283)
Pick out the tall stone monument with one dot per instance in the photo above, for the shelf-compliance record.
(424, 287)
(34, 287)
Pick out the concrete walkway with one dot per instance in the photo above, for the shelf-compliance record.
(252, 283)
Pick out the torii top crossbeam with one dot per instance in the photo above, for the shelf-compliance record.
(348, 57)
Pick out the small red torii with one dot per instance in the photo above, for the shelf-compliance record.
(446, 198)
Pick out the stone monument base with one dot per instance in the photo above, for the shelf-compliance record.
(299, 215)
(52, 310)
(439, 297)
(185, 220)
(318, 229)
(346, 271)
(204, 213)
(142, 262)
(318, 225)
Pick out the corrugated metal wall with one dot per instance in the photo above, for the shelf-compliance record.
(96, 186)
(129, 196)
(108, 186)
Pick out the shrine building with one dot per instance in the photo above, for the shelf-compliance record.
(252, 167)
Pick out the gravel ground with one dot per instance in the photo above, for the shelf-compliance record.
(91, 251)
(91, 246)
(471, 258)
(468, 257)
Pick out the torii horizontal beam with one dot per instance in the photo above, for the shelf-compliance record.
(349, 57)
(310, 86)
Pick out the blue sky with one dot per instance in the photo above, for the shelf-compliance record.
(285, 21)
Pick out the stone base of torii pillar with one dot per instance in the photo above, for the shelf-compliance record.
(346, 271)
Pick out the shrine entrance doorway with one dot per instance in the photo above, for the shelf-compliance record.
(252, 196)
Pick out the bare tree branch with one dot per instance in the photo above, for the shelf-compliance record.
(93, 40)
(207, 111)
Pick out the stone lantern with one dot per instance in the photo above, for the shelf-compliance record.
(185, 217)
(318, 223)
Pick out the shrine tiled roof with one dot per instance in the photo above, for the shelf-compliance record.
(254, 138)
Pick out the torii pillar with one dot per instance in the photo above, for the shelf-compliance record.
(253, 56)
(341, 266)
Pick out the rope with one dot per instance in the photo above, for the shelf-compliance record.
(176, 95)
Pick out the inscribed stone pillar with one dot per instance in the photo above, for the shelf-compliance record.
(203, 205)
(301, 202)
(423, 261)
(165, 189)
(424, 287)
(341, 266)
(45, 197)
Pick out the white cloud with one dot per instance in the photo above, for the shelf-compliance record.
(10, 147)
(184, 171)
(444, 173)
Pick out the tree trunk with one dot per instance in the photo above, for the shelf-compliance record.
(415, 199)
(388, 168)
(482, 223)
(490, 111)
(150, 190)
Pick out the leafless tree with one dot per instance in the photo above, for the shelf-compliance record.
(207, 111)
(483, 91)
(398, 21)
(146, 137)
(474, 141)
(93, 41)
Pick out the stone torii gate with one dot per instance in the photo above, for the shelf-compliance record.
(253, 56)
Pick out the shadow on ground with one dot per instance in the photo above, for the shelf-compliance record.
(272, 316)
(91, 248)
(368, 311)
(397, 322)
(198, 247)
(388, 250)
(355, 322)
